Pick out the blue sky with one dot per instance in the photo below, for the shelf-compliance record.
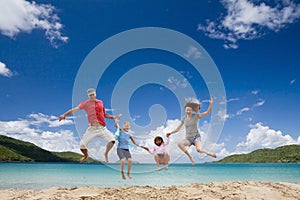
(254, 45)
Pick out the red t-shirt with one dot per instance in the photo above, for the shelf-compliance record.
(95, 111)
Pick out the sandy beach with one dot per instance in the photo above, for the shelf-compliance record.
(216, 190)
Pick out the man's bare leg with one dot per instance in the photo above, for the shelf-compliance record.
(108, 148)
(85, 153)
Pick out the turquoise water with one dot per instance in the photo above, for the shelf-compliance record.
(45, 175)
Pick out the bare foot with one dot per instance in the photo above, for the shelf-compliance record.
(106, 157)
(158, 168)
(123, 176)
(192, 160)
(166, 167)
(83, 159)
(212, 155)
(129, 176)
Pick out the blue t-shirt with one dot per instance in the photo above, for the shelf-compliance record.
(123, 140)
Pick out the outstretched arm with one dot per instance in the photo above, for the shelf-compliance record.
(69, 112)
(116, 123)
(112, 116)
(146, 148)
(208, 109)
(133, 141)
(176, 130)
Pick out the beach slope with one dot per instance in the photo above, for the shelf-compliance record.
(217, 190)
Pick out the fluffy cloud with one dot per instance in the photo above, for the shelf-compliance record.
(176, 83)
(261, 136)
(247, 20)
(193, 52)
(18, 16)
(51, 121)
(4, 71)
(29, 130)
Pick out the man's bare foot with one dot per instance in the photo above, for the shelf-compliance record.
(83, 159)
(106, 157)
(166, 167)
(123, 176)
(158, 168)
(129, 176)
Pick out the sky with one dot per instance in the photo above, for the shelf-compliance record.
(242, 53)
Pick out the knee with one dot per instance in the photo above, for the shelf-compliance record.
(180, 145)
(122, 160)
(198, 150)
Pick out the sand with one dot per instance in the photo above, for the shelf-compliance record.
(218, 190)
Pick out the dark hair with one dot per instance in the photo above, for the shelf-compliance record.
(158, 138)
(195, 106)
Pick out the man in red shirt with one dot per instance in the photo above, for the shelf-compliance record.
(97, 128)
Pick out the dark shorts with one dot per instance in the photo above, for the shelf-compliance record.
(193, 140)
(123, 153)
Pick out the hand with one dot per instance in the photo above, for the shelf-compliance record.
(146, 148)
(118, 117)
(61, 117)
(168, 134)
(211, 100)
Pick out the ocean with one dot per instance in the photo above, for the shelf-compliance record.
(38, 176)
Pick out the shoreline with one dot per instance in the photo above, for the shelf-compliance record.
(214, 190)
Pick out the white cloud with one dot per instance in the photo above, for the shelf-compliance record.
(176, 83)
(247, 20)
(135, 117)
(18, 16)
(222, 115)
(4, 71)
(51, 121)
(260, 103)
(246, 109)
(193, 52)
(29, 130)
(255, 92)
(292, 81)
(242, 111)
(261, 136)
(233, 99)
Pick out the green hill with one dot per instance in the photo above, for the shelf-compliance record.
(13, 150)
(284, 154)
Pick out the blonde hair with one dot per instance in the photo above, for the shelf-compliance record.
(126, 123)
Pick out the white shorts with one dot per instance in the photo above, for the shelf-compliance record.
(96, 131)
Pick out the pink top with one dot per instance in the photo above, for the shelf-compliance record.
(95, 111)
(160, 149)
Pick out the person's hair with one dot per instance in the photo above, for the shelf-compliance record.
(192, 103)
(195, 106)
(126, 123)
(158, 138)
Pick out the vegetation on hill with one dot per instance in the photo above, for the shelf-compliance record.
(284, 154)
(13, 150)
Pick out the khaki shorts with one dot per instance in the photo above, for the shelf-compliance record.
(96, 131)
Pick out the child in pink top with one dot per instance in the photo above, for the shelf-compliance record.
(159, 151)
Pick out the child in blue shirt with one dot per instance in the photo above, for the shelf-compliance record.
(123, 146)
